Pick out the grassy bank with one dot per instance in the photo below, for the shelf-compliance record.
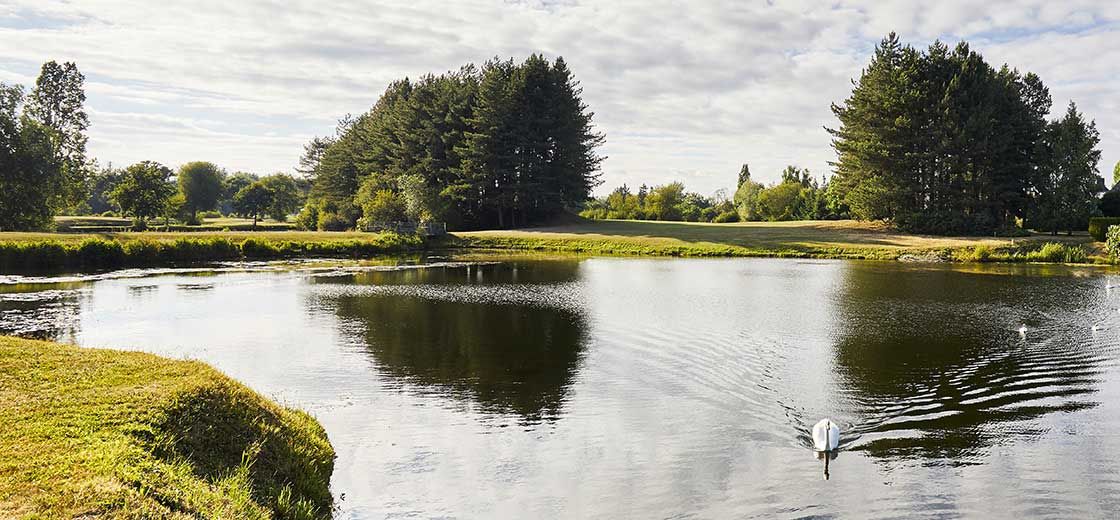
(100, 433)
(803, 239)
(47, 251)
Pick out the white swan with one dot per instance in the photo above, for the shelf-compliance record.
(826, 435)
(1023, 330)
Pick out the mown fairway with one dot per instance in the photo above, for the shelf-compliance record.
(841, 235)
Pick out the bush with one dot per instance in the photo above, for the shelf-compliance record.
(1098, 227)
(1112, 241)
(210, 214)
(980, 253)
(257, 248)
(96, 252)
(109, 213)
(727, 216)
(330, 221)
(1060, 253)
(308, 217)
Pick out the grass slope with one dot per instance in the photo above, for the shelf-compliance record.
(106, 434)
(828, 239)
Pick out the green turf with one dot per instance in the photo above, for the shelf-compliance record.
(93, 433)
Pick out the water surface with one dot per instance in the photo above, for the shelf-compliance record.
(524, 387)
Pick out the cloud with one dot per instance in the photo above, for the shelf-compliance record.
(683, 91)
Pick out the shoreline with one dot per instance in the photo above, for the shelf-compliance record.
(843, 240)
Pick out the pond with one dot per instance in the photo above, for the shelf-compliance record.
(544, 387)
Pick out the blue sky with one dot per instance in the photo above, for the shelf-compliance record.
(683, 91)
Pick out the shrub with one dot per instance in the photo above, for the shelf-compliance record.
(308, 217)
(1098, 226)
(1112, 241)
(109, 213)
(727, 216)
(210, 214)
(96, 252)
(1055, 252)
(257, 248)
(330, 221)
(142, 252)
(980, 253)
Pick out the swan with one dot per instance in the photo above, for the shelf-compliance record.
(1022, 329)
(826, 435)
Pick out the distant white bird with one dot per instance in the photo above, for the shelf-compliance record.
(1022, 329)
(1096, 328)
(826, 435)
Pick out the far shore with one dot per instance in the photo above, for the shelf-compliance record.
(843, 239)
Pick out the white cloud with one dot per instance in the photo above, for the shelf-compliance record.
(682, 91)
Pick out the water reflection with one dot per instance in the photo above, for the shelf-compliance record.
(942, 373)
(509, 356)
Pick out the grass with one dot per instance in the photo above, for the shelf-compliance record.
(93, 433)
(109, 250)
(807, 239)
(802, 239)
(96, 224)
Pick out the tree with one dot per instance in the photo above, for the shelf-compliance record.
(57, 102)
(230, 186)
(1074, 179)
(144, 190)
(253, 201)
(285, 196)
(1116, 174)
(780, 202)
(379, 205)
(30, 172)
(746, 200)
(744, 174)
(502, 145)
(101, 186)
(201, 184)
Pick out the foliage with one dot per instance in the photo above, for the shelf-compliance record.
(144, 190)
(102, 184)
(284, 196)
(158, 438)
(1058, 253)
(667, 202)
(502, 145)
(940, 141)
(1098, 227)
(379, 205)
(1110, 202)
(1068, 185)
(253, 201)
(57, 102)
(96, 252)
(232, 184)
(201, 184)
(1112, 240)
(31, 175)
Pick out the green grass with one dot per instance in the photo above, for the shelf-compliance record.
(809, 239)
(93, 433)
(96, 224)
(111, 250)
(803, 239)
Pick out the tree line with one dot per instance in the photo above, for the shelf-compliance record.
(149, 190)
(942, 142)
(44, 170)
(798, 196)
(507, 144)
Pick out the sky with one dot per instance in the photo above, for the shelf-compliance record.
(683, 91)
